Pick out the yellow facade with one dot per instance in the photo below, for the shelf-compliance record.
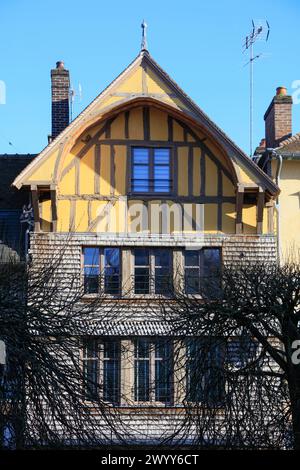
(88, 169)
(288, 207)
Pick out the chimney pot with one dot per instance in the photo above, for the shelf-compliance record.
(60, 64)
(281, 90)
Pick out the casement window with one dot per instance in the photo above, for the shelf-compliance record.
(102, 270)
(90, 369)
(152, 271)
(205, 381)
(202, 271)
(153, 373)
(151, 170)
(101, 370)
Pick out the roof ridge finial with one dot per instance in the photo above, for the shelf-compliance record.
(144, 45)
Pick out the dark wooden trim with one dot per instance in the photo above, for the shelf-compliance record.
(146, 123)
(97, 167)
(170, 129)
(127, 114)
(239, 210)
(219, 217)
(36, 209)
(260, 211)
(128, 170)
(271, 217)
(108, 127)
(112, 169)
(220, 193)
(220, 182)
(190, 172)
(53, 209)
(185, 134)
(175, 171)
(202, 173)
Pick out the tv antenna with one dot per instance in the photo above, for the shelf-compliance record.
(72, 96)
(260, 32)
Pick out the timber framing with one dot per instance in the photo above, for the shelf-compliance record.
(187, 110)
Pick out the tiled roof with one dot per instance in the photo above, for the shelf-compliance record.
(10, 166)
(11, 204)
(291, 145)
(126, 328)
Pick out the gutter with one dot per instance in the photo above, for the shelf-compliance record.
(278, 157)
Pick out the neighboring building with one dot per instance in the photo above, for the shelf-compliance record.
(141, 150)
(279, 156)
(12, 201)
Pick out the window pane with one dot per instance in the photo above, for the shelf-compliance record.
(142, 348)
(205, 373)
(141, 156)
(162, 156)
(91, 256)
(141, 280)
(163, 371)
(211, 272)
(191, 258)
(194, 373)
(140, 176)
(91, 281)
(142, 370)
(163, 280)
(91, 270)
(141, 257)
(161, 170)
(90, 369)
(111, 371)
(163, 274)
(192, 280)
(211, 261)
(162, 258)
(112, 270)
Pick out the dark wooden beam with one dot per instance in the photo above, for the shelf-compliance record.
(53, 208)
(260, 211)
(239, 210)
(36, 209)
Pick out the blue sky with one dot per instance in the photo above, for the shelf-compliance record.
(199, 43)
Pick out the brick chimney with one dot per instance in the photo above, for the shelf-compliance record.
(278, 118)
(60, 88)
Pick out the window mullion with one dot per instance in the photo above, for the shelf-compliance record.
(152, 271)
(101, 270)
(100, 351)
(152, 372)
(151, 170)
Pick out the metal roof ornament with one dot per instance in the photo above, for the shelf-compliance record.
(144, 45)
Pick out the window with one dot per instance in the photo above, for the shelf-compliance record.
(205, 371)
(202, 271)
(152, 271)
(90, 369)
(101, 370)
(111, 371)
(151, 171)
(102, 270)
(152, 370)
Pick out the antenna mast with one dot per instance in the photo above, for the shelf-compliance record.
(260, 32)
